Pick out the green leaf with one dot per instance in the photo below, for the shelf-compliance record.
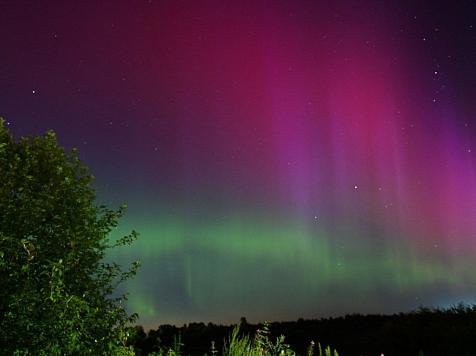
(54, 293)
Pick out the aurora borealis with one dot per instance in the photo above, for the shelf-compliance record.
(281, 159)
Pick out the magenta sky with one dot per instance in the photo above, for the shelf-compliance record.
(282, 159)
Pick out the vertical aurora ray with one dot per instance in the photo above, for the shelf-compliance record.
(346, 215)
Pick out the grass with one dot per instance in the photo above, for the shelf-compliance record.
(259, 345)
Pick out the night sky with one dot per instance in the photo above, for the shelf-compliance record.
(281, 159)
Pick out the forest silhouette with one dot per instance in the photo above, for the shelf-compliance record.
(434, 331)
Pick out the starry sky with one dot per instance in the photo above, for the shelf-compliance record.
(281, 159)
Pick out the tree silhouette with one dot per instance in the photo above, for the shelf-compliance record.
(55, 288)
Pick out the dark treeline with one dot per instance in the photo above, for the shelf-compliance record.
(435, 331)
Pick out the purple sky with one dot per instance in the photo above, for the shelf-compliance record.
(281, 159)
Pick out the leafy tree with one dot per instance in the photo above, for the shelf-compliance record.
(55, 288)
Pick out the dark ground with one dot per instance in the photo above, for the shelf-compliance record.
(434, 331)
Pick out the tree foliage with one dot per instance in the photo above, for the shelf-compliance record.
(55, 295)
